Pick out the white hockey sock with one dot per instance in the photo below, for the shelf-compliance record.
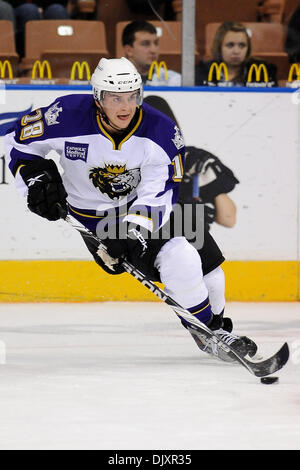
(215, 283)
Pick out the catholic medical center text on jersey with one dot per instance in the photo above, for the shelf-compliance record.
(160, 460)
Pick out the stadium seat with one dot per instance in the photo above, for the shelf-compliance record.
(7, 46)
(86, 6)
(169, 33)
(62, 42)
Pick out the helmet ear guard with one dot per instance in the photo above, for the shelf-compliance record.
(118, 76)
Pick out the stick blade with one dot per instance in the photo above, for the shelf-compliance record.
(270, 365)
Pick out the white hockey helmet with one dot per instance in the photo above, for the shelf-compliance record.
(116, 75)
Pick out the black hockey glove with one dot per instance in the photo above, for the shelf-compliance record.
(135, 244)
(210, 213)
(214, 177)
(46, 194)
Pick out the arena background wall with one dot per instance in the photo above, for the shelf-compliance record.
(255, 132)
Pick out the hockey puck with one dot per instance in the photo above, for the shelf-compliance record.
(269, 380)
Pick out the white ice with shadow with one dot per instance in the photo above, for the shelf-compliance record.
(127, 376)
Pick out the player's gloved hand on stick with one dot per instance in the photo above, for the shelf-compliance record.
(134, 243)
(47, 196)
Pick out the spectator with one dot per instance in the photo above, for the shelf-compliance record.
(7, 12)
(141, 47)
(232, 46)
(28, 11)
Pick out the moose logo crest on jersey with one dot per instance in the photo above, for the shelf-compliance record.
(115, 180)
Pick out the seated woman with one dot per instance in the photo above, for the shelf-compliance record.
(232, 46)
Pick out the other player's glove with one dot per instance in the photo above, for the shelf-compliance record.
(46, 194)
(210, 213)
(213, 176)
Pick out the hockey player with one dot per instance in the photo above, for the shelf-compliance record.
(122, 165)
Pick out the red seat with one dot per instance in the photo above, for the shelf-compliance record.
(7, 48)
(62, 42)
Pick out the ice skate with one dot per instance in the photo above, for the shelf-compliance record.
(222, 327)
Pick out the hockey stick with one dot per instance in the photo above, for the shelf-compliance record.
(219, 348)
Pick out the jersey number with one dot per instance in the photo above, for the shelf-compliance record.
(32, 130)
(178, 168)
(31, 118)
(3, 179)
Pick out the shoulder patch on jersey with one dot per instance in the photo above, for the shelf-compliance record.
(178, 139)
(115, 180)
(76, 151)
(52, 114)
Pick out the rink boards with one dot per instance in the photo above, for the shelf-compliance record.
(253, 132)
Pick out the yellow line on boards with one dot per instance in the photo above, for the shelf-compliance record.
(84, 281)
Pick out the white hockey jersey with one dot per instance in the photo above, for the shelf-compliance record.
(141, 172)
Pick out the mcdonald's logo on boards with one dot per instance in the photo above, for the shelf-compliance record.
(3, 66)
(259, 70)
(80, 67)
(41, 67)
(218, 68)
(294, 68)
(157, 66)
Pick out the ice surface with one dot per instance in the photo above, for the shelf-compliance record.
(128, 376)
